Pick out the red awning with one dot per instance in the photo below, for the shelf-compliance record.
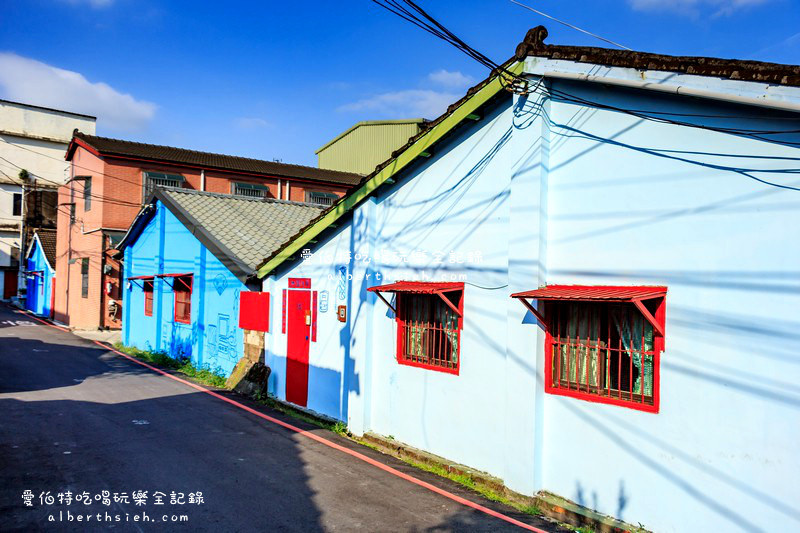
(590, 293)
(419, 287)
(593, 293)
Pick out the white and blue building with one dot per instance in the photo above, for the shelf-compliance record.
(188, 258)
(583, 282)
(40, 273)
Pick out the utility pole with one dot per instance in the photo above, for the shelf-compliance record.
(22, 271)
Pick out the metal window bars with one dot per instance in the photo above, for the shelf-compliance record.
(604, 350)
(429, 333)
(248, 190)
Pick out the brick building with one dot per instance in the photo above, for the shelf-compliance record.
(109, 181)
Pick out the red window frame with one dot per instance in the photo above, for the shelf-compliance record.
(147, 288)
(595, 354)
(182, 292)
(432, 314)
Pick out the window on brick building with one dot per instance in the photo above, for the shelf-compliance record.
(160, 179)
(85, 277)
(321, 198)
(87, 194)
(250, 190)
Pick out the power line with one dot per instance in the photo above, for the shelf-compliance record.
(100, 198)
(567, 24)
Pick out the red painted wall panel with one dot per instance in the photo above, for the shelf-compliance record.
(254, 310)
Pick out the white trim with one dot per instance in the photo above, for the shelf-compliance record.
(760, 94)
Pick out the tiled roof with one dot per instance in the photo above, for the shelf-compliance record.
(241, 232)
(168, 154)
(48, 240)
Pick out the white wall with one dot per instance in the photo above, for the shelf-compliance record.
(552, 192)
(638, 202)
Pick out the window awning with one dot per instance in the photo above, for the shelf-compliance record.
(153, 276)
(420, 287)
(592, 293)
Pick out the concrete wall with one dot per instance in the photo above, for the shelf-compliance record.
(213, 339)
(9, 224)
(555, 192)
(41, 122)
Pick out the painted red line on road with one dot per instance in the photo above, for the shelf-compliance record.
(321, 440)
(333, 445)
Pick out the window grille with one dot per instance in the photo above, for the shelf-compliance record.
(182, 289)
(429, 332)
(250, 190)
(160, 179)
(603, 350)
(321, 198)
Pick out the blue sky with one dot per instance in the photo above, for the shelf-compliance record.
(278, 79)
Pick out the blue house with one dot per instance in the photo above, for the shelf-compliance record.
(581, 279)
(188, 257)
(40, 272)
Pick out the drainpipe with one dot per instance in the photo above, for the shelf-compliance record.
(202, 179)
(288, 191)
(280, 190)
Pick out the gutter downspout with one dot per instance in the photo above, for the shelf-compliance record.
(280, 190)
(202, 179)
(679, 89)
(288, 190)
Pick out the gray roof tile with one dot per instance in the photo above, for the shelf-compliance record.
(246, 230)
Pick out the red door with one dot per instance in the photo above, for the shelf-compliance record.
(10, 284)
(298, 330)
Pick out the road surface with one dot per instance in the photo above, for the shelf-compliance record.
(77, 418)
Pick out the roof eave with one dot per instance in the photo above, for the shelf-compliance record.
(398, 162)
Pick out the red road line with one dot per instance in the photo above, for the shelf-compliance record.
(321, 440)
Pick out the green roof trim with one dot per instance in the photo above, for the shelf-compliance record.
(370, 123)
(398, 163)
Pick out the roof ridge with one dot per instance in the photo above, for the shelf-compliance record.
(88, 137)
(182, 190)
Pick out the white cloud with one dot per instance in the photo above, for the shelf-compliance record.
(30, 81)
(693, 7)
(416, 103)
(251, 123)
(446, 78)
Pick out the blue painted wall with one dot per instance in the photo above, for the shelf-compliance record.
(553, 191)
(39, 288)
(213, 339)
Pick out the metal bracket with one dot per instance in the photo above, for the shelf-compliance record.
(535, 312)
(648, 316)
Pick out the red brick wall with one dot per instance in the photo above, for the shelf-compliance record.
(117, 190)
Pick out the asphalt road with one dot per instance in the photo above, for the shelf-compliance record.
(76, 417)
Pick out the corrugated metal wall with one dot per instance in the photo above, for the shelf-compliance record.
(368, 145)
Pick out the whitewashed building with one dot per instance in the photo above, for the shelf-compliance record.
(34, 139)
